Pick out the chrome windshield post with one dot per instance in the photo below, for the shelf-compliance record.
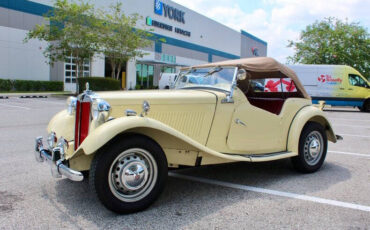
(229, 96)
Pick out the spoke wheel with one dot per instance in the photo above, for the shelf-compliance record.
(132, 175)
(129, 173)
(312, 148)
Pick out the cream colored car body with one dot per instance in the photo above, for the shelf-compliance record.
(195, 127)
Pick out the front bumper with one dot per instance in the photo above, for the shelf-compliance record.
(56, 164)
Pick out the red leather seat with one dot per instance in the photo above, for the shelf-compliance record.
(273, 105)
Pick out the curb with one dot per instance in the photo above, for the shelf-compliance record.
(34, 96)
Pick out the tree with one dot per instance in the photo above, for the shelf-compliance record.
(332, 41)
(70, 31)
(118, 39)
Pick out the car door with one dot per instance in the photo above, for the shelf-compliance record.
(357, 86)
(254, 130)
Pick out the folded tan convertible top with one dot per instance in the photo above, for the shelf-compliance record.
(261, 67)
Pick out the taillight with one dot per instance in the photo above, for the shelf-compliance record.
(83, 117)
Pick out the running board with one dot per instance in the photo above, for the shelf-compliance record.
(265, 157)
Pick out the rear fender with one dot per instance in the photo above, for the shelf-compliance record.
(307, 114)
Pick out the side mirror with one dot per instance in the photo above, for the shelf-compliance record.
(242, 74)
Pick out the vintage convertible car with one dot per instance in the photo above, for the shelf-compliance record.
(218, 113)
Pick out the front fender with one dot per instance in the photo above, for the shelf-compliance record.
(306, 114)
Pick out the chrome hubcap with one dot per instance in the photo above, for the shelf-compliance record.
(313, 148)
(132, 175)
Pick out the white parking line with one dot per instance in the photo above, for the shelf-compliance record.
(40, 100)
(273, 192)
(357, 126)
(15, 106)
(353, 135)
(347, 119)
(352, 154)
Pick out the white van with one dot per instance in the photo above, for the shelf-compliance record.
(167, 80)
(337, 85)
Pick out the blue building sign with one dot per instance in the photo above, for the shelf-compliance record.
(158, 7)
(168, 11)
(161, 25)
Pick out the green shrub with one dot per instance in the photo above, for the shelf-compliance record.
(22, 85)
(98, 84)
(54, 85)
(137, 87)
(25, 85)
(6, 85)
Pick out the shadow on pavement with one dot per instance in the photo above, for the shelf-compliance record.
(185, 202)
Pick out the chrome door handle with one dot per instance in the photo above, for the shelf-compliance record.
(239, 122)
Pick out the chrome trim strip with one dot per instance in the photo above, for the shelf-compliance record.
(251, 156)
(76, 130)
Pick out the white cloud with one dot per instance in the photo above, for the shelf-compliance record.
(280, 20)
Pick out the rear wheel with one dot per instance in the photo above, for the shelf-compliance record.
(366, 106)
(129, 175)
(313, 146)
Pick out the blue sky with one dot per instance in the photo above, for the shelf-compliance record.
(277, 21)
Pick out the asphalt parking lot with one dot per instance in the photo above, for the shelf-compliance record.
(233, 196)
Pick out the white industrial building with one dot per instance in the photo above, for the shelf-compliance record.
(190, 38)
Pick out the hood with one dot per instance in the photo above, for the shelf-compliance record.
(158, 97)
(188, 111)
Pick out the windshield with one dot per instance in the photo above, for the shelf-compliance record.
(216, 77)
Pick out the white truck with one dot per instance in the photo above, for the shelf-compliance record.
(337, 85)
(167, 80)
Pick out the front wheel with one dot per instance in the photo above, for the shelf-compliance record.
(313, 146)
(129, 174)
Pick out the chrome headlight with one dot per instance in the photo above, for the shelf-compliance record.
(100, 109)
(71, 105)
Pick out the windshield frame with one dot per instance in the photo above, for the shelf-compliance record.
(209, 86)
